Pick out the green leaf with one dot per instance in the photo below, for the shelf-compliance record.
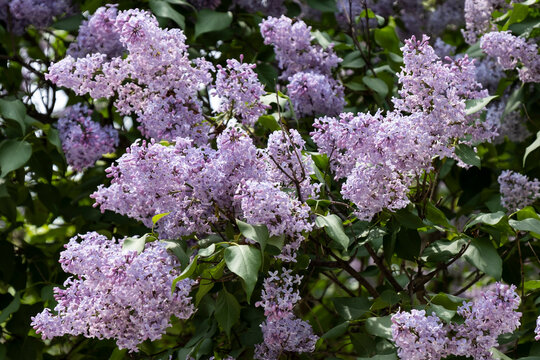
(386, 299)
(188, 271)
(532, 147)
(442, 250)
(244, 261)
(518, 13)
(269, 122)
(156, 218)
(258, 233)
(118, 354)
(499, 355)
(136, 243)
(207, 251)
(380, 326)
(177, 249)
(209, 20)
(482, 255)
(436, 216)
(13, 155)
(351, 308)
(336, 331)
(323, 5)
(468, 155)
(531, 224)
(387, 39)
(490, 219)
(408, 219)
(376, 85)
(164, 9)
(13, 306)
(14, 110)
(334, 228)
(353, 60)
(475, 105)
(70, 23)
(227, 311)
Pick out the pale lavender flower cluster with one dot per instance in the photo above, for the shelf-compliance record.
(493, 313)
(511, 126)
(18, 14)
(156, 80)
(84, 141)
(282, 331)
(307, 67)
(510, 51)
(115, 294)
(98, 35)
(517, 191)
(478, 17)
(381, 155)
(239, 91)
(201, 187)
(447, 14)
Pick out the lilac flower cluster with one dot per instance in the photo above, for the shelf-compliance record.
(478, 17)
(156, 80)
(537, 329)
(511, 126)
(512, 50)
(201, 187)
(517, 191)
(381, 155)
(447, 14)
(18, 14)
(239, 92)
(419, 337)
(282, 331)
(98, 35)
(84, 141)
(307, 67)
(115, 294)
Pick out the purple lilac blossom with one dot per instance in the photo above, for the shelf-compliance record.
(84, 141)
(512, 50)
(489, 73)
(517, 191)
(511, 126)
(156, 80)
(449, 14)
(486, 317)
(282, 331)
(478, 17)
(116, 294)
(18, 14)
(239, 92)
(315, 94)
(537, 329)
(98, 35)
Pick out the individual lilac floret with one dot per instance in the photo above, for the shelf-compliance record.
(84, 141)
(292, 45)
(239, 92)
(511, 51)
(417, 336)
(116, 294)
(18, 14)
(282, 331)
(478, 17)
(98, 35)
(315, 94)
(517, 191)
(155, 81)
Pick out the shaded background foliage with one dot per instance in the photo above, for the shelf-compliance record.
(43, 202)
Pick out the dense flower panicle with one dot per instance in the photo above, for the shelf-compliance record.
(98, 35)
(478, 17)
(447, 14)
(315, 94)
(115, 294)
(517, 191)
(511, 126)
(287, 165)
(239, 92)
(84, 141)
(510, 51)
(156, 80)
(292, 45)
(282, 330)
(263, 202)
(417, 336)
(489, 73)
(18, 14)
(486, 317)
(267, 7)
